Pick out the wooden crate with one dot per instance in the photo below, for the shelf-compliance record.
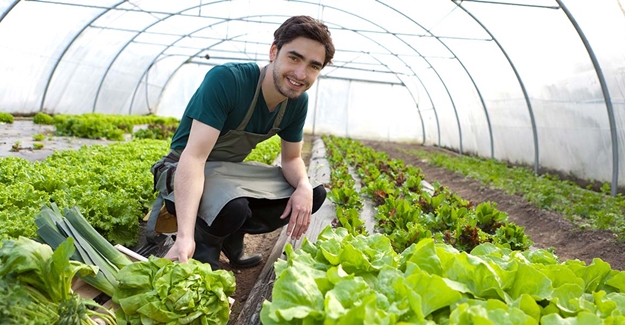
(85, 290)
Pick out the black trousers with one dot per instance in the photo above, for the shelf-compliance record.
(251, 216)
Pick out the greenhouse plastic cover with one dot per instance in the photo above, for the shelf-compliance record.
(533, 82)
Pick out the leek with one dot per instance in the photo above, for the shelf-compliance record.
(91, 247)
(100, 243)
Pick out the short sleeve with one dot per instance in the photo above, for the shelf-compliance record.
(211, 102)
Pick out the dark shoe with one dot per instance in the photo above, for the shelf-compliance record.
(233, 249)
(207, 248)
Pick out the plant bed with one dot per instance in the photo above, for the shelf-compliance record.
(547, 229)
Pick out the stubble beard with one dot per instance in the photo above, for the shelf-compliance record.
(284, 91)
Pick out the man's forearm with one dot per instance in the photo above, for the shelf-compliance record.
(294, 170)
(188, 188)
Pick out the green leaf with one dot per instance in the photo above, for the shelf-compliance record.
(617, 281)
(583, 318)
(433, 291)
(528, 305)
(424, 255)
(594, 275)
(532, 282)
(491, 312)
(478, 276)
(567, 297)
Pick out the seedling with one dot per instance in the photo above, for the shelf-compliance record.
(16, 147)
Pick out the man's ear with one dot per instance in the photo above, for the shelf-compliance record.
(273, 52)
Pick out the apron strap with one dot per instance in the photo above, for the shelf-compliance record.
(250, 110)
(150, 227)
(276, 123)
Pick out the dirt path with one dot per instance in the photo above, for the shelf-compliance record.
(20, 134)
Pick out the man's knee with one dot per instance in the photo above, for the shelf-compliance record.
(236, 207)
(230, 218)
(319, 195)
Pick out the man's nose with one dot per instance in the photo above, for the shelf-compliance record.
(300, 71)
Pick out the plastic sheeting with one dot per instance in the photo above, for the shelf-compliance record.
(512, 80)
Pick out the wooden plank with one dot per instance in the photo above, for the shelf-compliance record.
(130, 253)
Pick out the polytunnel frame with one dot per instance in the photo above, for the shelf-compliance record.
(206, 48)
(477, 89)
(606, 96)
(596, 65)
(138, 33)
(342, 27)
(414, 73)
(179, 13)
(69, 45)
(518, 76)
(168, 15)
(89, 24)
(9, 8)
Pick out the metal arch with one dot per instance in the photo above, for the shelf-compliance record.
(423, 57)
(606, 96)
(414, 74)
(477, 89)
(156, 57)
(410, 91)
(421, 116)
(516, 73)
(146, 81)
(180, 14)
(95, 101)
(414, 99)
(58, 62)
(9, 9)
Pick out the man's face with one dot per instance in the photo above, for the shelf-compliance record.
(296, 65)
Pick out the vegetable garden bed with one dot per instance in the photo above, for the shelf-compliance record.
(546, 229)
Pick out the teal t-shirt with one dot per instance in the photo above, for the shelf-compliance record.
(223, 98)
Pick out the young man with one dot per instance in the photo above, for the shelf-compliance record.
(217, 197)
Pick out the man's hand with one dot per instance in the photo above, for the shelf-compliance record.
(299, 207)
(182, 250)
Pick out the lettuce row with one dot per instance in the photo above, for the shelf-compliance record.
(345, 279)
(407, 213)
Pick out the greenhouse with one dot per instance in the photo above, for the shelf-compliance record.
(471, 152)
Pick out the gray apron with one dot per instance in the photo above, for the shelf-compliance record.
(226, 176)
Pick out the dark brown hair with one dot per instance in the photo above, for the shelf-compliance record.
(308, 27)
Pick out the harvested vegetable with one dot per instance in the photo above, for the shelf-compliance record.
(46, 276)
(91, 247)
(24, 305)
(159, 291)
